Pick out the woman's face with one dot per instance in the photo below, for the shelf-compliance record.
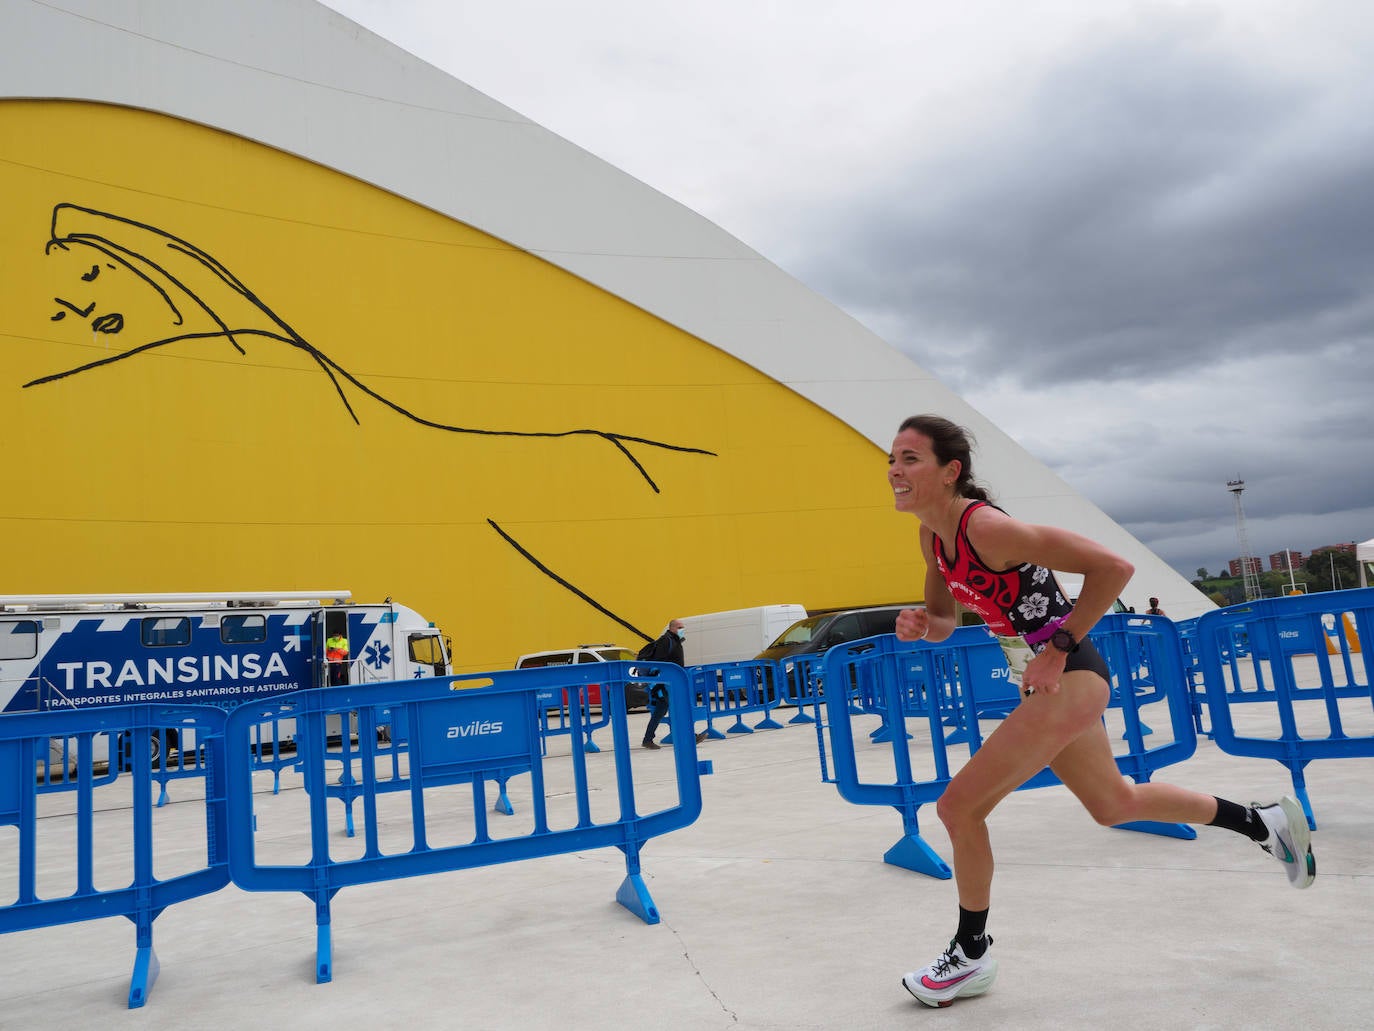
(916, 476)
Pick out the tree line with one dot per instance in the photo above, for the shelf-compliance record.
(1324, 570)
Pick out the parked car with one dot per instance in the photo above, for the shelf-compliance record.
(822, 632)
(636, 696)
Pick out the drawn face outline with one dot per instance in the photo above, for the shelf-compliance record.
(110, 322)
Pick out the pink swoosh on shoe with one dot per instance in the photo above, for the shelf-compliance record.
(928, 982)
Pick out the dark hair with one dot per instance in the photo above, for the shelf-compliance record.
(950, 441)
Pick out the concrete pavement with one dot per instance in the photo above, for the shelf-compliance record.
(777, 913)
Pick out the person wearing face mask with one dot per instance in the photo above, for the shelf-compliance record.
(667, 648)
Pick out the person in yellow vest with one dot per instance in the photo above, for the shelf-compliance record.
(336, 655)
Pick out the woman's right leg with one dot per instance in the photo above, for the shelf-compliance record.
(1020, 747)
(1031, 736)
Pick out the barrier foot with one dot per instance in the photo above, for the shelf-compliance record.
(591, 746)
(1300, 789)
(503, 803)
(146, 968)
(801, 717)
(712, 734)
(740, 727)
(768, 724)
(635, 897)
(1168, 830)
(912, 853)
(884, 734)
(162, 798)
(324, 955)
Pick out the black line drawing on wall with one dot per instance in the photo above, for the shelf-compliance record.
(168, 264)
(192, 285)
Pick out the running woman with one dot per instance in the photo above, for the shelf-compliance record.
(1000, 567)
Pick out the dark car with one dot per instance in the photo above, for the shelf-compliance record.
(819, 633)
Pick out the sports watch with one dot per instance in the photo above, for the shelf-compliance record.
(1064, 641)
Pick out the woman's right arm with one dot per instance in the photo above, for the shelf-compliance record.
(935, 622)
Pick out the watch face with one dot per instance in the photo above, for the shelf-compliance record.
(1063, 640)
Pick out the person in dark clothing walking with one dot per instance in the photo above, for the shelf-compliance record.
(668, 648)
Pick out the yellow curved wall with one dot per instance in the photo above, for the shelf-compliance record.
(181, 464)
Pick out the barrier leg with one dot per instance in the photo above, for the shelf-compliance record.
(635, 897)
(1300, 789)
(883, 733)
(324, 946)
(146, 966)
(1168, 830)
(913, 853)
(502, 799)
(633, 893)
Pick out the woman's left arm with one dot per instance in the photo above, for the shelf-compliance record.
(1007, 542)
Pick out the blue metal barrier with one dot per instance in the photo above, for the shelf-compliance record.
(27, 738)
(801, 677)
(1304, 656)
(556, 719)
(462, 731)
(737, 689)
(941, 692)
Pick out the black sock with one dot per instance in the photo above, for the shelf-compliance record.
(1240, 818)
(970, 935)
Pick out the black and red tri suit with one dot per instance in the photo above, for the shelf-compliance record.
(1025, 601)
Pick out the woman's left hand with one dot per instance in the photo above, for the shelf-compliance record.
(1044, 672)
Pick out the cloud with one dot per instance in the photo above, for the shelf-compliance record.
(1138, 235)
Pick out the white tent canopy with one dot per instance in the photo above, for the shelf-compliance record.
(1364, 558)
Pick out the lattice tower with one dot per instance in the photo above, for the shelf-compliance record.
(1249, 578)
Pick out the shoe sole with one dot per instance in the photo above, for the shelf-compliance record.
(1302, 840)
(967, 990)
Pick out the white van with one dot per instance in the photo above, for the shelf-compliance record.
(736, 634)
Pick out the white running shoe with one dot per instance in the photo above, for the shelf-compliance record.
(1290, 841)
(952, 976)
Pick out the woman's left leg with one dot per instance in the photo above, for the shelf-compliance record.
(1088, 769)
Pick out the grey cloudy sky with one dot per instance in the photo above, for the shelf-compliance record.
(1138, 236)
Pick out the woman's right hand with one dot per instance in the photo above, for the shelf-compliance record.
(913, 624)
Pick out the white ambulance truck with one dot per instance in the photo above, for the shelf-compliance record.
(75, 651)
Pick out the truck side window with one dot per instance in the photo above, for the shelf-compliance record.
(166, 631)
(424, 648)
(243, 629)
(19, 639)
